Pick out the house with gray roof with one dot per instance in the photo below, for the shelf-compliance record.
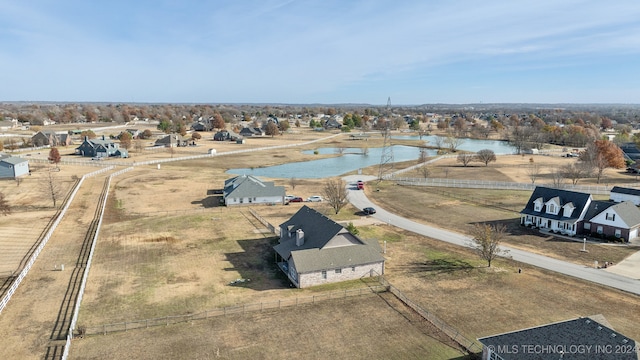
(249, 190)
(315, 250)
(610, 219)
(172, 140)
(251, 131)
(620, 194)
(12, 167)
(584, 338)
(51, 138)
(100, 148)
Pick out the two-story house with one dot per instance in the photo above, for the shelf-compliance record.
(557, 210)
(572, 213)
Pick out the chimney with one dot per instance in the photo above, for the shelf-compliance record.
(103, 137)
(299, 237)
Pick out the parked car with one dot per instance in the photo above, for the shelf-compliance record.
(295, 199)
(360, 184)
(369, 211)
(289, 197)
(315, 198)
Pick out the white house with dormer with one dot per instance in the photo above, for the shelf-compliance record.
(571, 213)
(557, 210)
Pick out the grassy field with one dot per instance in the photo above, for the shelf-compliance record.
(168, 248)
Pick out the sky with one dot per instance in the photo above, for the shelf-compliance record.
(320, 52)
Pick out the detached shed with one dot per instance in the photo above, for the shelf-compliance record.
(12, 167)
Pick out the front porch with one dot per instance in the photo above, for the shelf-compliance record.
(563, 227)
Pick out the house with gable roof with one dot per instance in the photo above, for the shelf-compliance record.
(557, 210)
(100, 148)
(248, 190)
(12, 167)
(610, 219)
(572, 213)
(315, 250)
(584, 338)
(619, 194)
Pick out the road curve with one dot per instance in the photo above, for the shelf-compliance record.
(360, 200)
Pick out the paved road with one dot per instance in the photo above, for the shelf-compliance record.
(359, 200)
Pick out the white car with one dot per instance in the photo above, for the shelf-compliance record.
(289, 197)
(315, 198)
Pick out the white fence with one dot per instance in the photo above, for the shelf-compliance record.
(45, 239)
(76, 308)
(498, 185)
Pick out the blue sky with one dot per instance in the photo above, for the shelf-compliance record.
(325, 51)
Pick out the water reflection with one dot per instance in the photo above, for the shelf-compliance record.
(353, 159)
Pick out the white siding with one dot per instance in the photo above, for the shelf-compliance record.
(617, 197)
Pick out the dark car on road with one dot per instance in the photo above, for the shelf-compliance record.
(369, 211)
(295, 199)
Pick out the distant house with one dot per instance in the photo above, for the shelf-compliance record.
(251, 131)
(135, 133)
(331, 123)
(203, 124)
(12, 167)
(100, 148)
(172, 140)
(226, 135)
(572, 213)
(50, 138)
(315, 250)
(619, 194)
(584, 338)
(9, 124)
(247, 190)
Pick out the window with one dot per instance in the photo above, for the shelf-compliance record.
(353, 268)
(551, 209)
(324, 274)
(338, 271)
(599, 230)
(618, 233)
(537, 207)
(587, 226)
(611, 217)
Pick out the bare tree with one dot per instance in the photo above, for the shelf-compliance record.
(520, 138)
(485, 156)
(340, 150)
(486, 241)
(139, 145)
(453, 142)
(557, 179)
(5, 209)
(424, 171)
(465, 159)
(335, 192)
(575, 172)
(293, 182)
(438, 140)
(51, 187)
(533, 171)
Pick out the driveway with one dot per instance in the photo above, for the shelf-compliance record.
(599, 276)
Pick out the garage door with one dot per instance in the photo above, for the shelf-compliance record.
(633, 234)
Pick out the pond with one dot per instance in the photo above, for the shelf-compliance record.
(353, 159)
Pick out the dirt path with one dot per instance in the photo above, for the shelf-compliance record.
(32, 326)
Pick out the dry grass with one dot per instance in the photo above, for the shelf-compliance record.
(320, 331)
(167, 248)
